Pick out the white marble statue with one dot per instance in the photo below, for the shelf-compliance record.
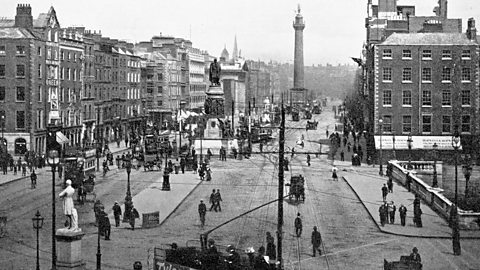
(67, 195)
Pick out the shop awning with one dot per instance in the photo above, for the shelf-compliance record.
(61, 138)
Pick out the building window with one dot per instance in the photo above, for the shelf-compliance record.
(446, 54)
(62, 76)
(446, 74)
(159, 103)
(387, 97)
(407, 54)
(20, 93)
(74, 58)
(466, 74)
(2, 49)
(466, 54)
(39, 51)
(387, 123)
(406, 123)
(446, 98)
(20, 71)
(39, 70)
(40, 93)
(446, 123)
(387, 74)
(426, 54)
(407, 97)
(426, 75)
(62, 55)
(426, 123)
(465, 123)
(20, 119)
(466, 97)
(2, 71)
(20, 146)
(2, 93)
(20, 50)
(67, 72)
(387, 53)
(426, 98)
(407, 75)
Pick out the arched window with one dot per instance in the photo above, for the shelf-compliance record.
(20, 146)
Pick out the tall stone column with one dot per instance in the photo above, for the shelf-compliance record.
(298, 92)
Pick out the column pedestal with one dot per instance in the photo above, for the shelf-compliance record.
(69, 249)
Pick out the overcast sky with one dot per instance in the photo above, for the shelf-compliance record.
(334, 29)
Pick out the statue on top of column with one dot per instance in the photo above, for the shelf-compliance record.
(215, 71)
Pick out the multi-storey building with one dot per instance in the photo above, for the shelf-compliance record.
(427, 84)
(71, 83)
(197, 83)
(28, 78)
(88, 96)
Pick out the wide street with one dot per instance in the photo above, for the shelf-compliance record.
(351, 239)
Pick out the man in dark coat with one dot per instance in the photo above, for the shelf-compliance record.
(390, 184)
(105, 226)
(298, 225)
(217, 200)
(117, 213)
(133, 215)
(33, 179)
(202, 211)
(383, 214)
(212, 201)
(384, 192)
(182, 164)
(403, 214)
(391, 211)
(316, 241)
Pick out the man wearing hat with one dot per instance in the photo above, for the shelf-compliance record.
(202, 210)
(117, 212)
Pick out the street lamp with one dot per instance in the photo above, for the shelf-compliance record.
(455, 230)
(128, 197)
(99, 254)
(435, 152)
(37, 225)
(53, 159)
(409, 144)
(3, 129)
(380, 124)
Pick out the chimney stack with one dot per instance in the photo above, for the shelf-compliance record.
(24, 17)
(471, 30)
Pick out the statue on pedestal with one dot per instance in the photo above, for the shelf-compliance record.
(215, 71)
(68, 209)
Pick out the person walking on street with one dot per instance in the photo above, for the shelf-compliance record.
(182, 164)
(117, 213)
(308, 160)
(33, 179)
(391, 211)
(316, 241)
(342, 155)
(384, 192)
(417, 216)
(403, 214)
(218, 199)
(298, 225)
(271, 249)
(105, 226)
(202, 211)
(334, 173)
(133, 215)
(212, 201)
(383, 214)
(390, 184)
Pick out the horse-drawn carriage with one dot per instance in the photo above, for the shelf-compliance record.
(312, 125)
(297, 188)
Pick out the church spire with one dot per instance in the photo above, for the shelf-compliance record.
(235, 50)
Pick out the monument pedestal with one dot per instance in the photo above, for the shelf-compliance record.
(69, 249)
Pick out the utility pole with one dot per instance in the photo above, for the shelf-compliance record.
(233, 118)
(281, 149)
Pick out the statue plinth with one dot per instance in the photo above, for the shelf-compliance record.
(69, 249)
(214, 109)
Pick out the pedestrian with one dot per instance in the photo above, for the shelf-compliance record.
(212, 201)
(261, 151)
(271, 246)
(390, 184)
(133, 215)
(218, 199)
(293, 152)
(260, 262)
(182, 164)
(345, 141)
(334, 173)
(383, 214)
(316, 241)
(33, 179)
(209, 153)
(349, 145)
(342, 155)
(391, 211)
(308, 160)
(97, 207)
(326, 132)
(126, 141)
(409, 181)
(14, 170)
(24, 168)
(209, 174)
(117, 213)
(298, 225)
(403, 214)
(417, 216)
(384, 192)
(202, 210)
(105, 226)
(194, 165)
(415, 257)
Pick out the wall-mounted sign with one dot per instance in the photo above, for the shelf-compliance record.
(418, 142)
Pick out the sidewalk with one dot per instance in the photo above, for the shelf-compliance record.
(153, 198)
(367, 184)
(10, 177)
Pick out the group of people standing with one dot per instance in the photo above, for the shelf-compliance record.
(215, 199)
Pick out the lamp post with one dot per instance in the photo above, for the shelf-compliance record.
(409, 144)
(53, 159)
(380, 124)
(455, 230)
(3, 129)
(37, 225)
(99, 254)
(128, 197)
(435, 182)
